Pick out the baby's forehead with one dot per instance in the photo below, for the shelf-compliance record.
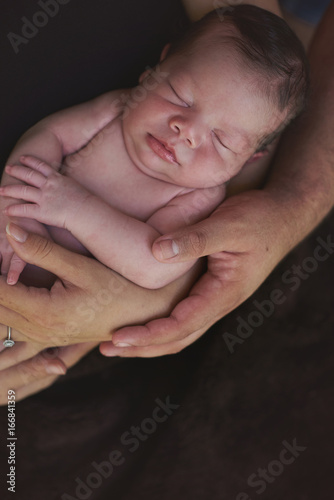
(220, 49)
(218, 39)
(212, 67)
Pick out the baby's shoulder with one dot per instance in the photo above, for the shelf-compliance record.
(108, 106)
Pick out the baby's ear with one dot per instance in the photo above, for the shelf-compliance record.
(163, 56)
(164, 52)
(144, 74)
(257, 156)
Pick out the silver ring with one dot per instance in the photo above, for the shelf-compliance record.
(9, 342)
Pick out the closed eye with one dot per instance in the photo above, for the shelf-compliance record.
(179, 98)
(217, 138)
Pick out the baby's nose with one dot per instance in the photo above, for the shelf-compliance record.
(187, 130)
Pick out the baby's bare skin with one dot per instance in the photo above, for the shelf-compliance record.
(116, 178)
(144, 168)
(127, 189)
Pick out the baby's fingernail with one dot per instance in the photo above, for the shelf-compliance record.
(122, 344)
(55, 370)
(168, 248)
(16, 232)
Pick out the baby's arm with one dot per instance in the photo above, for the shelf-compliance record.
(121, 242)
(66, 131)
(51, 139)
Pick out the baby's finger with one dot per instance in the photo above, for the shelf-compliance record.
(37, 164)
(29, 210)
(15, 269)
(5, 263)
(27, 175)
(26, 193)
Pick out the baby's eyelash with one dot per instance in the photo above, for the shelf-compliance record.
(220, 142)
(177, 95)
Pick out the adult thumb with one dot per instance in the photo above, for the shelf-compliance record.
(188, 243)
(42, 252)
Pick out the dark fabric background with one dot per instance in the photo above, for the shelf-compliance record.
(233, 412)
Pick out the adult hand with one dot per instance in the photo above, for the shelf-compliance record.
(251, 232)
(88, 301)
(245, 238)
(11, 265)
(28, 367)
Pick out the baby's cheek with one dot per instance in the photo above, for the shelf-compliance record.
(216, 171)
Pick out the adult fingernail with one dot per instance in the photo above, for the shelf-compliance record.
(16, 232)
(107, 350)
(168, 248)
(55, 370)
(123, 344)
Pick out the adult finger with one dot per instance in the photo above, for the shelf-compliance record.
(39, 372)
(13, 318)
(23, 350)
(110, 350)
(44, 253)
(229, 281)
(224, 230)
(25, 373)
(196, 313)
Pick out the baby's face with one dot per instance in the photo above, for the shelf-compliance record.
(198, 125)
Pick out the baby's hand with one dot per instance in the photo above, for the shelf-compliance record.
(53, 198)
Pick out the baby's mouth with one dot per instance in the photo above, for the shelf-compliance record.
(162, 149)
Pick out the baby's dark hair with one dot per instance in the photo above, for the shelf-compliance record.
(267, 45)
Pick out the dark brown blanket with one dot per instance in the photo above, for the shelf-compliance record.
(244, 413)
